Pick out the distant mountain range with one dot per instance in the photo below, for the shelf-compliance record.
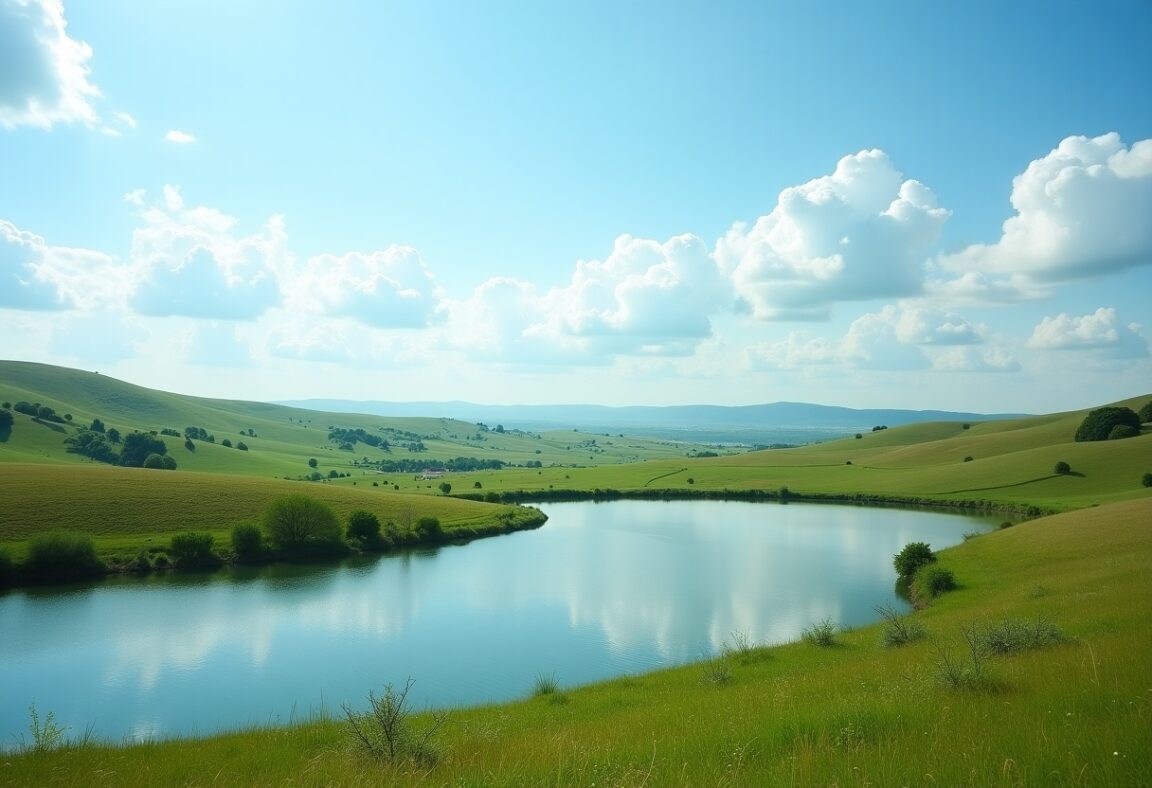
(775, 423)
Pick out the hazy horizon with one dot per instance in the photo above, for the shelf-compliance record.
(894, 205)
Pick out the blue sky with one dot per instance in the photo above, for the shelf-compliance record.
(890, 204)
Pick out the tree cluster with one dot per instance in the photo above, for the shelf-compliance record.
(1109, 423)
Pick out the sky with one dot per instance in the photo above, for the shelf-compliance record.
(905, 204)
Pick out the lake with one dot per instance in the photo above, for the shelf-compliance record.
(602, 590)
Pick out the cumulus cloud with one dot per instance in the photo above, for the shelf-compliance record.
(798, 351)
(644, 298)
(21, 286)
(862, 232)
(38, 276)
(44, 74)
(930, 326)
(974, 359)
(1081, 211)
(392, 288)
(873, 342)
(893, 339)
(179, 137)
(1101, 330)
(188, 262)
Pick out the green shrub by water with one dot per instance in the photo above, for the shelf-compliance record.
(62, 554)
(247, 541)
(930, 582)
(193, 550)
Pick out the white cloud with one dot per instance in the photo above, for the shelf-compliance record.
(1082, 210)
(974, 359)
(862, 232)
(179, 137)
(43, 72)
(385, 289)
(798, 351)
(21, 286)
(930, 326)
(873, 342)
(1100, 330)
(646, 298)
(35, 275)
(187, 261)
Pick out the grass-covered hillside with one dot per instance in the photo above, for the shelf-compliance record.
(1069, 708)
(47, 487)
(280, 440)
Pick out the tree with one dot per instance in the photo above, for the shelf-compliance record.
(298, 523)
(6, 419)
(226, 443)
(1121, 431)
(1098, 424)
(1062, 468)
(1145, 413)
(1147, 480)
(363, 526)
(113, 435)
(92, 445)
(445, 487)
(96, 425)
(242, 446)
(159, 462)
(312, 463)
(912, 557)
(137, 447)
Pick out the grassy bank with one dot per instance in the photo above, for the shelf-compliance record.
(128, 510)
(858, 713)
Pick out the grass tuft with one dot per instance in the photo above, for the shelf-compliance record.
(822, 633)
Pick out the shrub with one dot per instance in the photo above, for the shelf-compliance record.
(428, 529)
(193, 549)
(7, 569)
(247, 541)
(363, 526)
(1010, 636)
(899, 629)
(385, 731)
(716, 672)
(1062, 468)
(1147, 480)
(1098, 424)
(226, 443)
(60, 554)
(930, 582)
(912, 557)
(1145, 412)
(445, 488)
(822, 633)
(242, 446)
(6, 419)
(300, 524)
(1121, 431)
(968, 458)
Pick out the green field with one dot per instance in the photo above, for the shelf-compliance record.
(1077, 712)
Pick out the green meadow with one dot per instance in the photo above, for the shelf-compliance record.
(1074, 708)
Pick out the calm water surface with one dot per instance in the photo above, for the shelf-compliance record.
(602, 590)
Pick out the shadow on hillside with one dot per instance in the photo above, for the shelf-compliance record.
(49, 425)
(1006, 486)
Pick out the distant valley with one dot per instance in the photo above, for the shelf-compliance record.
(748, 425)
